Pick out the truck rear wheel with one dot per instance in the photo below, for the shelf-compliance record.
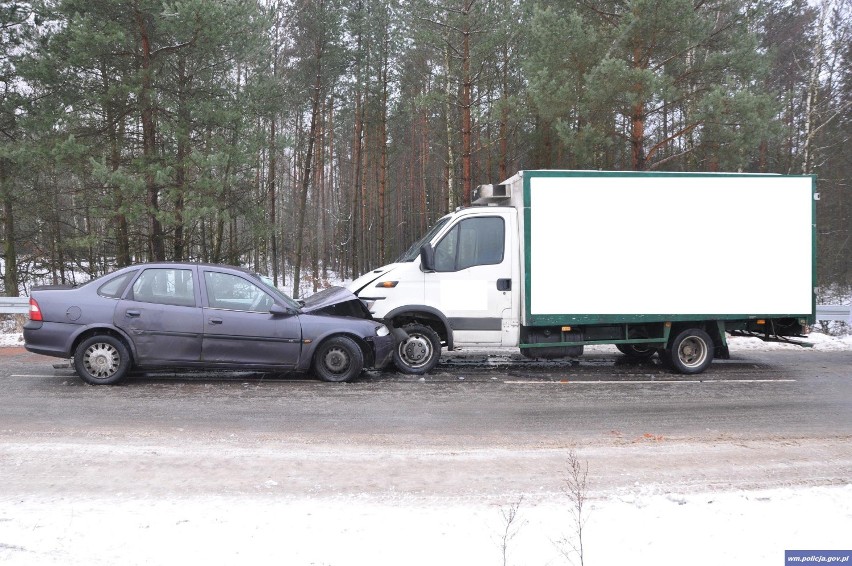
(420, 353)
(691, 351)
(636, 351)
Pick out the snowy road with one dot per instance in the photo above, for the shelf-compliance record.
(219, 467)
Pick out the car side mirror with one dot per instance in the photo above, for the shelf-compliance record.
(427, 258)
(278, 310)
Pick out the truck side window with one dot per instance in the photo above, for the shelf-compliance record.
(475, 241)
(445, 251)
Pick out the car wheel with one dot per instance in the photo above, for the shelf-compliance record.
(102, 360)
(419, 353)
(636, 351)
(338, 359)
(691, 351)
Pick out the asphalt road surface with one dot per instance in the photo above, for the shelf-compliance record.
(480, 425)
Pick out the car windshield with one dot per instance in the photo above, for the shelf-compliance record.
(270, 284)
(414, 250)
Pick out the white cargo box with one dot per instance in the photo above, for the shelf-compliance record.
(611, 247)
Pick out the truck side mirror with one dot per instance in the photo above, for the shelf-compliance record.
(427, 258)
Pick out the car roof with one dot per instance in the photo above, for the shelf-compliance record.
(191, 264)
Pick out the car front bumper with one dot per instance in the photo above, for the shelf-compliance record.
(383, 347)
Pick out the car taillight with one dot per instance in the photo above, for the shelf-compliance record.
(35, 310)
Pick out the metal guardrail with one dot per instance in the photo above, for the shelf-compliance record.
(14, 305)
(842, 313)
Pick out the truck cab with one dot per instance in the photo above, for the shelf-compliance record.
(452, 288)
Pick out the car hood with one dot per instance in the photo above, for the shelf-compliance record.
(328, 298)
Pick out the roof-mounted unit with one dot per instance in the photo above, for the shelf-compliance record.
(490, 194)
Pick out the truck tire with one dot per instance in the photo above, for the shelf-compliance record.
(101, 360)
(691, 351)
(338, 359)
(636, 351)
(420, 353)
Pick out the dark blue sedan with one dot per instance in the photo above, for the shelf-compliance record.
(183, 315)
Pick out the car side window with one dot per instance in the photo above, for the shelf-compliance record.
(165, 287)
(475, 241)
(226, 291)
(114, 288)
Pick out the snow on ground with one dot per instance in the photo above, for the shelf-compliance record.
(750, 528)
(625, 525)
(11, 339)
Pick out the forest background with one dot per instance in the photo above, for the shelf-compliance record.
(310, 138)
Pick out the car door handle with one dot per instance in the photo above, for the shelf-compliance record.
(132, 314)
(504, 284)
(214, 321)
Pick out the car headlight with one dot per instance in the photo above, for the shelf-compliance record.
(382, 330)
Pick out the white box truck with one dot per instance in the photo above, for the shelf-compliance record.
(655, 263)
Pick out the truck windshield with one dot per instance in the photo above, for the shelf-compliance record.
(414, 250)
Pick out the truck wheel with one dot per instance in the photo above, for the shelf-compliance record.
(338, 359)
(420, 352)
(691, 351)
(101, 360)
(636, 351)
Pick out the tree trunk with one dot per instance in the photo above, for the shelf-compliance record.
(10, 275)
(466, 103)
(156, 247)
(116, 134)
(813, 93)
(183, 150)
(502, 167)
(306, 177)
(451, 158)
(270, 196)
(637, 120)
(383, 140)
(355, 237)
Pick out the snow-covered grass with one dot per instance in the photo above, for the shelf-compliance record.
(624, 527)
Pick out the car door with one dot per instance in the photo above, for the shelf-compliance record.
(161, 314)
(240, 330)
(472, 281)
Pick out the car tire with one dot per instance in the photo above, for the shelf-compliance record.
(338, 359)
(691, 351)
(102, 360)
(420, 352)
(636, 351)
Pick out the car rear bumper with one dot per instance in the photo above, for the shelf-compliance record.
(47, 338)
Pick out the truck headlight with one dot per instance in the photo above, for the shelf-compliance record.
(382, 330)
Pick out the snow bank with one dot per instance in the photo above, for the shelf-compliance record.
(14, 339)
(624, 527)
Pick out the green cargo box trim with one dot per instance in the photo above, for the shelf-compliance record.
(567, 319)
(661, 341)
(581, 319)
